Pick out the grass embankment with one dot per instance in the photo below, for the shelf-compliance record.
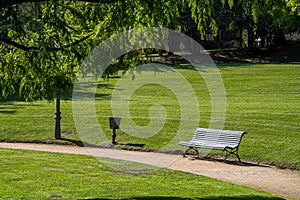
(41, 175)
(262, 99)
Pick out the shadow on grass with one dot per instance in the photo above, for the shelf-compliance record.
(248, 197)
(11, 98)
(227, 161)
(20, 104)
(8, 111)
(76, 142)
(83, 90)
(133, 145)
(85, 144)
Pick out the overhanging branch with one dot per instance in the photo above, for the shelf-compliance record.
(32, 48)
(7, 3)
(17, 45)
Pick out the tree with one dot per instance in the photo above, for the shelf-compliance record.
(43, 42)
(271, 19)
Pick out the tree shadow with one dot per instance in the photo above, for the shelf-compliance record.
(11, 107)
(84, 144)
(11, 98)
(76, 142)
(227, 161)
(132, 145)
(11, 112)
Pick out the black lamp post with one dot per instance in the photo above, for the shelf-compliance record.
(114, 123)
(57, 119)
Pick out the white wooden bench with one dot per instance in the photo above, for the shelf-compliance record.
(215, 139)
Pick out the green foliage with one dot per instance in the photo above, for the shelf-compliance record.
(293, 12)
(44, 43)
(43, 51)
(202, 12)
(280, 13)
(230, 2)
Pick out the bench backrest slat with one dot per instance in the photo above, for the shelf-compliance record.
(226, 137)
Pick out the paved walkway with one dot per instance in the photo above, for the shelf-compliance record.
(283, 183)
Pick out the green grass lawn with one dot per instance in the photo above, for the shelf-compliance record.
(262, 99)
(42, 175)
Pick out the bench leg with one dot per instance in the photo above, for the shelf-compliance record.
(229, 152)
(190, 148)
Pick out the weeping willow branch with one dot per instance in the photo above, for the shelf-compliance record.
(8, 3)
(34, 48)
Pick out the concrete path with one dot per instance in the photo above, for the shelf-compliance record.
(283, 183)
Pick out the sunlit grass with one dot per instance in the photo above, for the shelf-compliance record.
(262, 99)
(41, 175)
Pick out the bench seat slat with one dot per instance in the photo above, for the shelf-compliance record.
(216, 146)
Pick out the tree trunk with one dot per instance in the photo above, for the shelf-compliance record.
(250, 31)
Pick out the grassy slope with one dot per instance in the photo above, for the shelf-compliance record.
(40, 175)
(262, 99)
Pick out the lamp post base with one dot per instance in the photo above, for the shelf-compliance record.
(113, 136)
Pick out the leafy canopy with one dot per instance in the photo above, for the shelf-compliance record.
(42, 43)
